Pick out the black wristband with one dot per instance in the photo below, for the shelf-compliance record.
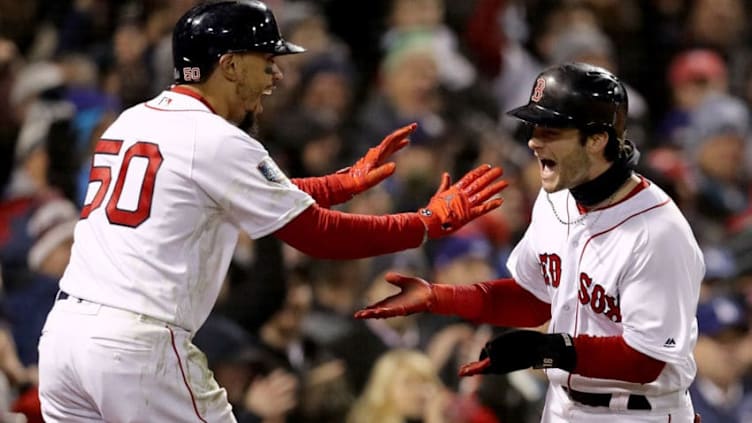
(522, 349)
(557, 351)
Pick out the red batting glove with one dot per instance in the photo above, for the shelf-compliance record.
(371, 169)
(475, 367)
(415, 296)
(454, 206)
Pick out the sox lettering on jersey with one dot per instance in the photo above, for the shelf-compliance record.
(600, 302)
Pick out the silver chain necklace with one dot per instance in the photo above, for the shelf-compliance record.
(581, 218)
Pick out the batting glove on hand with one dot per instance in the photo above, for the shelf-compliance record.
(454, 206)
(415, 296)
(371, 168)
(522, 349)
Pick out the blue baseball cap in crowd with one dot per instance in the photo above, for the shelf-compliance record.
(721, 313)
(460, 247)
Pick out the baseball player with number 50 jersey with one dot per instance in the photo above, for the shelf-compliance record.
(173, 182)
(608, 261)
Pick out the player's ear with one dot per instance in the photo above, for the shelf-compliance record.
(228, 66)
(596, 142)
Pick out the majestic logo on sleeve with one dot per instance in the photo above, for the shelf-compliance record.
(537, 95)
(271, 171)
(595, 296)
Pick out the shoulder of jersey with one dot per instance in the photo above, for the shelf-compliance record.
(209, 122)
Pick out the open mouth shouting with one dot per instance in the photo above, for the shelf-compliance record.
(547, 168)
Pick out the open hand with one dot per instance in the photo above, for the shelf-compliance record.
(416, 295)
(454, 206)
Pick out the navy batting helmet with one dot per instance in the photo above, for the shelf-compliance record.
(209, 30)
(577, 95)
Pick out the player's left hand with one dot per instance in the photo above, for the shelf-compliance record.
(454, 206)
(372, 168)
(523, 349)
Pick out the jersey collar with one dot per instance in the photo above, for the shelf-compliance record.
(190, 93)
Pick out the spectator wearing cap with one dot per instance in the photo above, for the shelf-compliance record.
(720, 270)
(692, 75)
(407, 91)
(719, 393)
(716, 142)
(459, 258)
(454, 69)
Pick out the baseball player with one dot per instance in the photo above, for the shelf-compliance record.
(608, 261)
(173, 182)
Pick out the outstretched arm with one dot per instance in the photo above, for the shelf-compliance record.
(501, 302)
(330, 234)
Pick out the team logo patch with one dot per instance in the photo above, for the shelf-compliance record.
(537, 95)
(271, 171)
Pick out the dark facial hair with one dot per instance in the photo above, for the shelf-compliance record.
(249, 124)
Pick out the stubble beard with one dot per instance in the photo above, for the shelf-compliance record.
(573, 170)
(249, 123)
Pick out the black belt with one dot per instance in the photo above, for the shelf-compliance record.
(635, 402)
(62, 295)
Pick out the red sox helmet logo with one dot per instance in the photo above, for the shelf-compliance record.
(540, 85)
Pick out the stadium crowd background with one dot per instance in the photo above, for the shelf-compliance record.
(282, 339)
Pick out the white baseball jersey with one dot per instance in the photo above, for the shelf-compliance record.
(172, 184)
(631, 269)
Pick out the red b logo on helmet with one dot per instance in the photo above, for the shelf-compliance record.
(540, 84)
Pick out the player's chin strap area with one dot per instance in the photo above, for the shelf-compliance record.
(593, 192)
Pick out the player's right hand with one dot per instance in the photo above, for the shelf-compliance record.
(454, 206)
(373, 168)
(415, 296)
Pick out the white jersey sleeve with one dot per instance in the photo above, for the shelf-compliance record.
(659, 293)
(248, 186)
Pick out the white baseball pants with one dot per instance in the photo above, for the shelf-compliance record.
(102, 364)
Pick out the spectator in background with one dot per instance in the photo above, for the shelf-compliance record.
(692, 75)
(593, 46)
(257, 387)
(427, 16)
(407, 91)
(32, 284)
(303, 23)
(719, 393)
(403, 387)
(307, 144)
(717, 143)
(721, 25)
(363, 342)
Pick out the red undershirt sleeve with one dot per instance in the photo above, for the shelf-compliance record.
(609, 357)
(502, 302)
(330, 234)
(326, 190)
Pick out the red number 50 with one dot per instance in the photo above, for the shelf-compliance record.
(103, 174)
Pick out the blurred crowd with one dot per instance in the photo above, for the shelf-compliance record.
(282, 339)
